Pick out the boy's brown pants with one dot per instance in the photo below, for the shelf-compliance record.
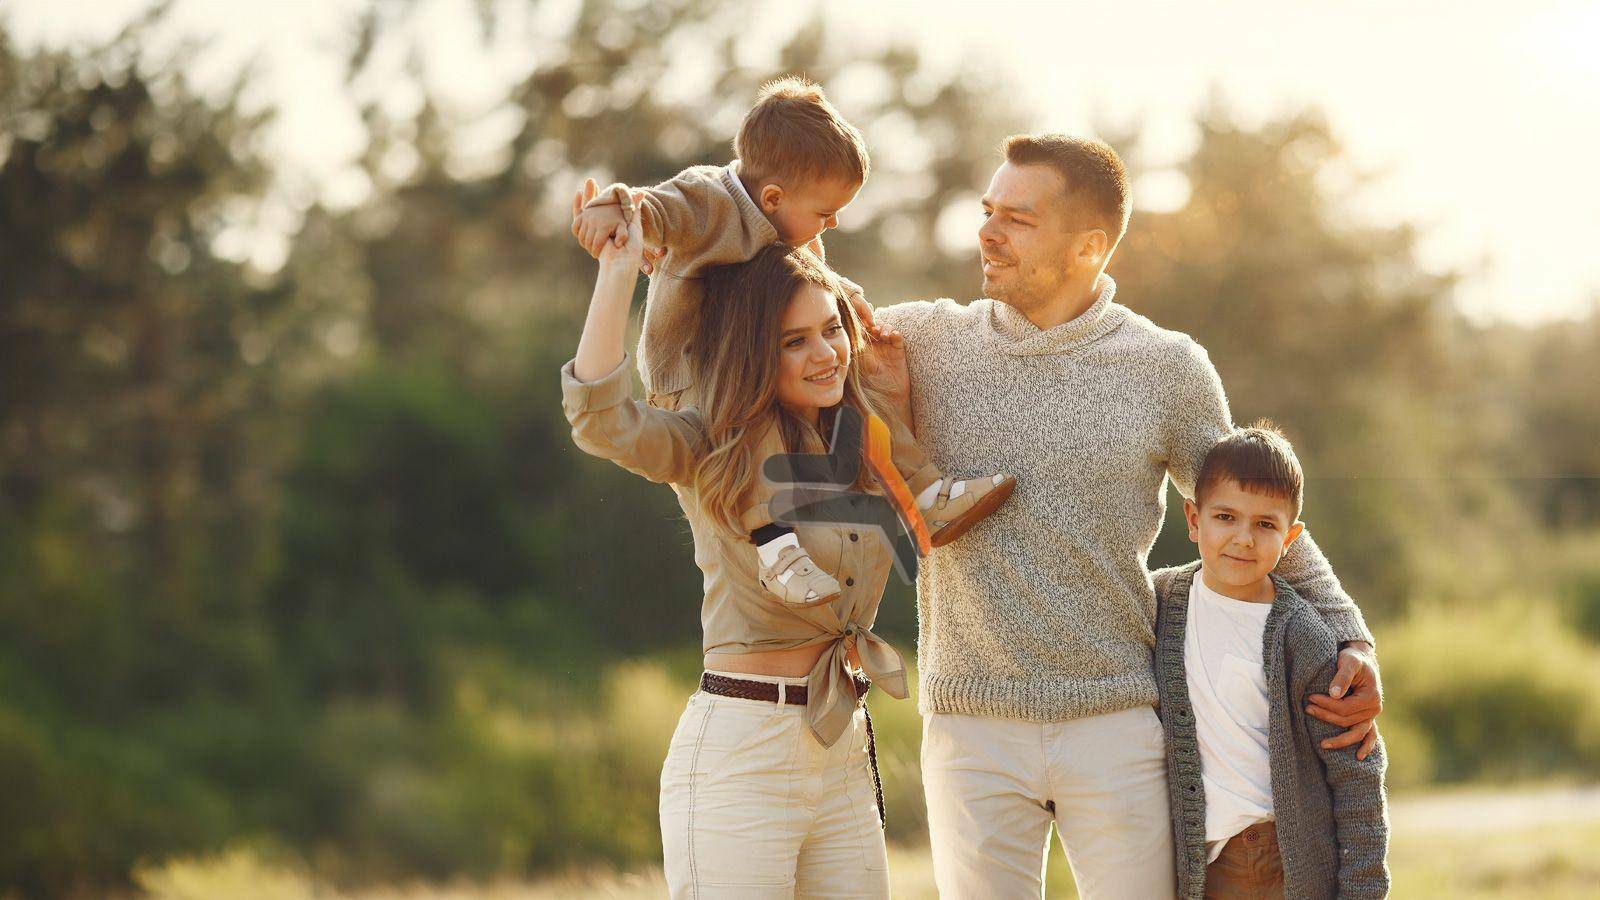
(1249, 867)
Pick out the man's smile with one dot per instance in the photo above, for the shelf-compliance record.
(991, 263)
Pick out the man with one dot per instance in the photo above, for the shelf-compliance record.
(1035, 631)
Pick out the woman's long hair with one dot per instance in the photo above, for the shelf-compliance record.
(734, 354)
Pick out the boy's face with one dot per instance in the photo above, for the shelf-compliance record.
(1242, 535)
(807, 208)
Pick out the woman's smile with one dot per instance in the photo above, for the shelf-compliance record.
(826, 377)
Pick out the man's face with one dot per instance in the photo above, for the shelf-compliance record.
(1027, 245)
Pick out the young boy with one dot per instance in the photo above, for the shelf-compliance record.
(800, 163)
(1258, 809)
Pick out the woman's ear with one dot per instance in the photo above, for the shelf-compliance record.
(1191, 514)
(769, 197)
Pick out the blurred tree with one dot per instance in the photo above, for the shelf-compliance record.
(1551, 380)
(472, 267)
(138, 351)
(306, 550)
(1331, 329)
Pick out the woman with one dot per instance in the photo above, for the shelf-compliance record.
(768, 788)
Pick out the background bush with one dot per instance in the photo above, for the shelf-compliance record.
(300, 559)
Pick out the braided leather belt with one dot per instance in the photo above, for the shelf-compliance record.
(797, 694)
(723, 686)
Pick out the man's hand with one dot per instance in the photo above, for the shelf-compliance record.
(1354, 699)
(885, 361)
(858, 302)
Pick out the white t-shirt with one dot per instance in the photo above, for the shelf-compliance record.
(1228, 690)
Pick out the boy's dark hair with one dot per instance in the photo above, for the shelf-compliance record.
(794, 132)
(1094, 174)
(1260, 459)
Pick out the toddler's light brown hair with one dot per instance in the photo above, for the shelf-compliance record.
(794, 134)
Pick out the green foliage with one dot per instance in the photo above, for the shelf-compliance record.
(1498, 692)
(1329, 328)
(300, 561)
(239, 873)
(396, 504)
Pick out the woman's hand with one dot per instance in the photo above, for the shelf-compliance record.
(625, 250)
(597, 222)
(601, 348)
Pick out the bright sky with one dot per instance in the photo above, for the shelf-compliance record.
(1481, 120)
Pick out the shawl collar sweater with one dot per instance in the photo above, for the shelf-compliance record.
(1045, 611)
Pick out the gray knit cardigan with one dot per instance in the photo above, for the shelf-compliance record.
(1332, 822)
(1044, 611)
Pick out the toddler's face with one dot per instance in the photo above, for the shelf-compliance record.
(807, 210)
(1242, 535)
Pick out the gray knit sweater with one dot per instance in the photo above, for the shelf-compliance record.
(1333, 831)
(1045, 610)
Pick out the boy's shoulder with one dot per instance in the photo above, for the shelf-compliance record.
(704, 216)
(1172, 594)
(1166, 578)
(1308, 643)
(704, 179)
(1296, 611)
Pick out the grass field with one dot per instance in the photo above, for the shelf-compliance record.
(1531, 843)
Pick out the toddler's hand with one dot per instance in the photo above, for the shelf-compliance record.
(594, 225)
(598, 218)
(626, 247)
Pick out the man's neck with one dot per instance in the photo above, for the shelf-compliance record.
(1073, 301)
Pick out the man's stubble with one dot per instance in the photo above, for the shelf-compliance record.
(1030, 289)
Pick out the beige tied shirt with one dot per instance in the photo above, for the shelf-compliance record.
(738, 615)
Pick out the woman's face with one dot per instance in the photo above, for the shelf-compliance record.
(813, 353)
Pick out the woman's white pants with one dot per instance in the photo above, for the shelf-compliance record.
(753, 807)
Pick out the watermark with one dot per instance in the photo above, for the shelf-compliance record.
(815, 489)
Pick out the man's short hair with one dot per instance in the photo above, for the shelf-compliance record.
(1096, 179)
(793, 132)
(1260, 459)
